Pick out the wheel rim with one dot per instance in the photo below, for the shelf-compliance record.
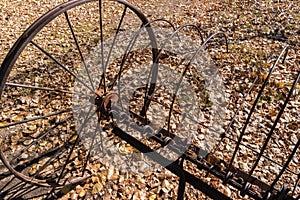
(31, 94)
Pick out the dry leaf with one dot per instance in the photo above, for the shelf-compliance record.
(43, 143)
(97, 188)
(17, 117)
(152, 197)
(95, 179)
(3, 123)
(73, 139)
(80, 191)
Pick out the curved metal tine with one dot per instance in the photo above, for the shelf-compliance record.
(87, 118)
(204, 43)
(272, 131)
(214, 35)
(131, 45)
(236, 112)
(35, 118)
(253, 107)
(168, 39)
(35, 140)
(266, 157)
(186, 116)
(185, 70)
(133, 41)
(285, 165)
(178, 85)
(182, 60)
(154, 69)
(62, 66)
(137, 34)
(176, 31)
(78, 49)
(167, 21)
(174, 96)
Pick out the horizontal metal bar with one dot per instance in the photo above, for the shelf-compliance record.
(190, 152)
(173, 167)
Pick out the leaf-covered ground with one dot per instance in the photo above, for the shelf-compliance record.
(257, 32)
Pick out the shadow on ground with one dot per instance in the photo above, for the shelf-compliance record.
(13, 188)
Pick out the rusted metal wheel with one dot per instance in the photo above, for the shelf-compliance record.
(39, 137)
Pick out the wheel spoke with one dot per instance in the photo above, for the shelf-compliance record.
(102, 50)
(86, 119)
(55, 155)
(38, 88)
(114, 40)
(51, 159)
(58, 153)
(61, 65)
(36, 118)
(61, 82)
(41, 137)
(122, 69)
(97, 129)
(79, 50)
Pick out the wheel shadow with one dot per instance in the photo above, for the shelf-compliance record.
(13, 188)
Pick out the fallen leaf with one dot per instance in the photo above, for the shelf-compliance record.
(97, 188)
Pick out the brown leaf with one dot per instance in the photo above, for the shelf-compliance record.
(97, 188)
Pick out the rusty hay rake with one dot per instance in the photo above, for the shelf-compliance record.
(96, 81)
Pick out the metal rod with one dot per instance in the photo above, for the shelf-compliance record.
(79, 50)
(252, 109)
